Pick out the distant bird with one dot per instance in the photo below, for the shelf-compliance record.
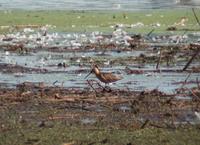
(105, 77)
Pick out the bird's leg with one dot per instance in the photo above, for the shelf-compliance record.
(99, 84)
(91, 85)
(107, 88)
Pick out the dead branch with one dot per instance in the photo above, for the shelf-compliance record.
(144, 124)
(185, 80)
(194, 55)
(198, 85)
(193, 93)
(150, 32)
(195, 16)
(159, 59)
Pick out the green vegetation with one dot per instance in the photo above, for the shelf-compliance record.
(16, 130)
(60, 133)
(34, 125)
(87, 21)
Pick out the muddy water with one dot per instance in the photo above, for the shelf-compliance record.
(97, 4)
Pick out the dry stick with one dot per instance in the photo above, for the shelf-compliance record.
(150, 32)
(158, 63)
(198, 85)
(195, 16)
(195, 95)
(191, 59)
(144, 124)
(156, 125)
(185, 80)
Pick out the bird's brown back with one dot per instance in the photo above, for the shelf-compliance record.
(108, 77)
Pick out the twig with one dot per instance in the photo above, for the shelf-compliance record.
(150, 32)
(156, 125)
(191, 59)
(198, 85)
(195, 95)
(144, 124)
(185, 80)
(195, 16)
(158, 63)
(54, 83)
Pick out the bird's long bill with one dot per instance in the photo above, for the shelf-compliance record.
(88, 74)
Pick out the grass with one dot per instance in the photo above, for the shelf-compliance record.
(14, 131)
(60, 133)
(88, 21)
(18, 128)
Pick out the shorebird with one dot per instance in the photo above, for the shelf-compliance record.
(105, 77)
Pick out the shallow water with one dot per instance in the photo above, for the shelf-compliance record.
(73, 74)
(71, 77)
(96, 4)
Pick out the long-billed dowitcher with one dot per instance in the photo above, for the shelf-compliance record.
(105, 77)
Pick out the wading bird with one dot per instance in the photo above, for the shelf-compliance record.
(105, 77)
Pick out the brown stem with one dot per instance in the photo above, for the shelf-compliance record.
(195, 16)
(191, 59)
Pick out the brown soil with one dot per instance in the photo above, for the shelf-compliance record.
(122, 108)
